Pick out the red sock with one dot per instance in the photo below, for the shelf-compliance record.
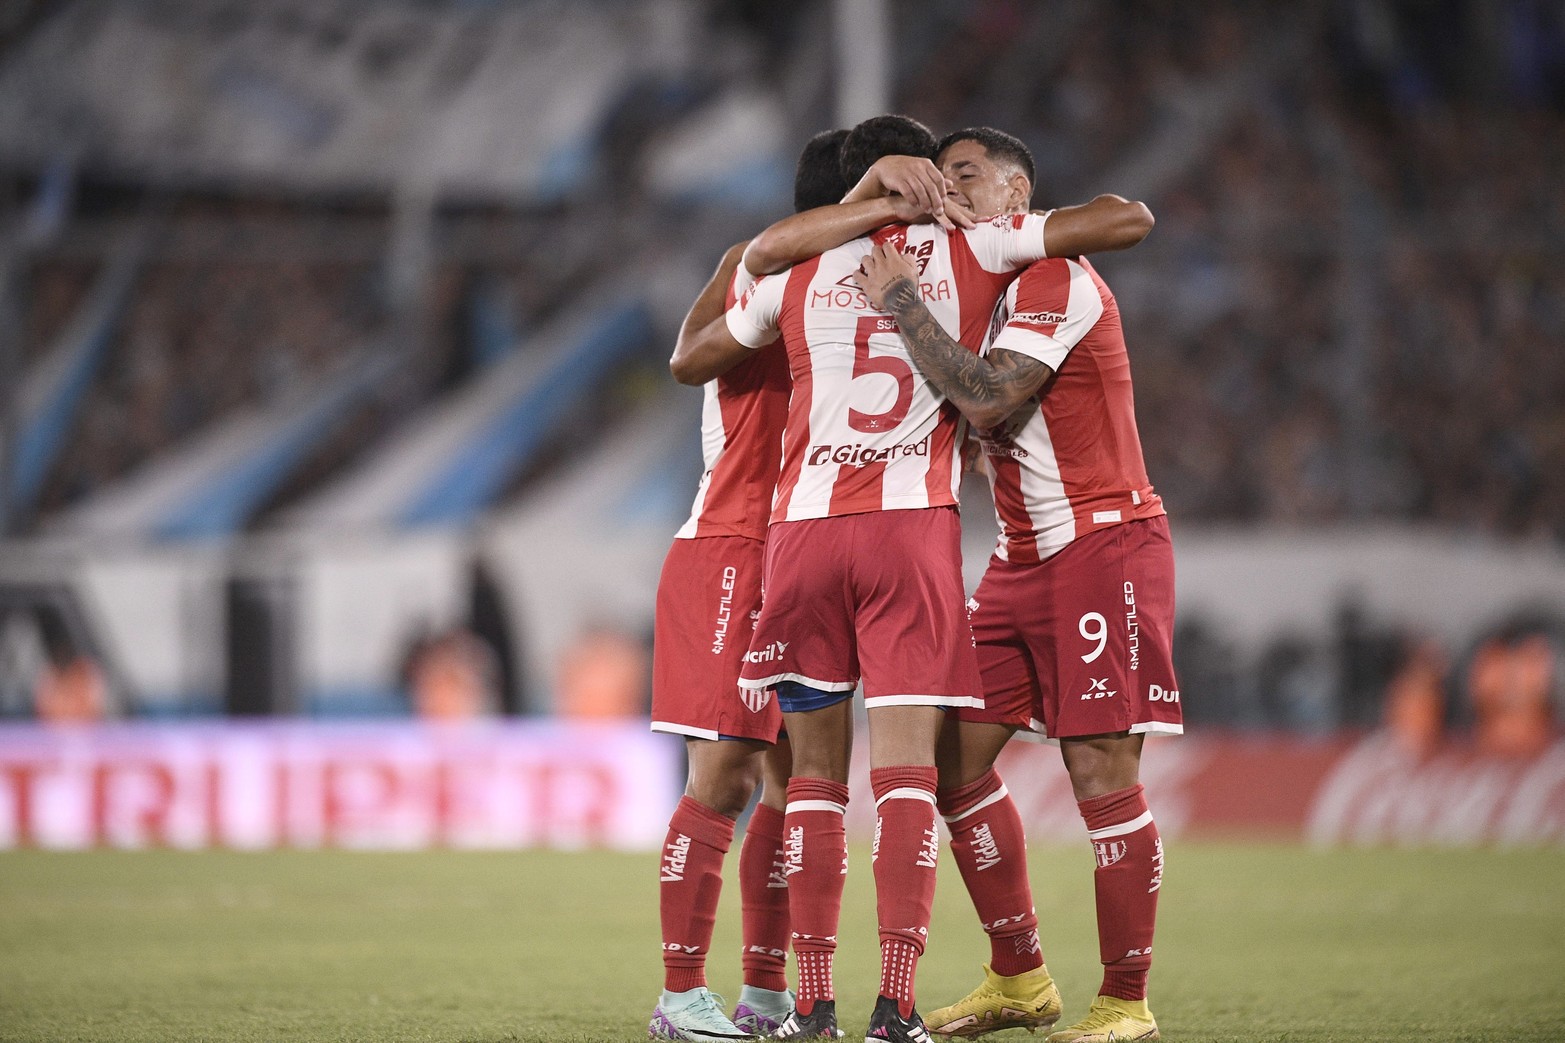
(815, 859)
(1127, 880)
(691, 880)
(907, 849)
(991, 851)
(763, 890)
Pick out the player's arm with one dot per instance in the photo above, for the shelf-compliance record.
(801, 236)
(1109, 222)
(700, 353)
(986, 390)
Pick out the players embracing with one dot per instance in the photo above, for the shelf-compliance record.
(863, 580)
(1074, 616)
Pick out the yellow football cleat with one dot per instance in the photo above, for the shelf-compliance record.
(1111, 1020)
(1028, 1000)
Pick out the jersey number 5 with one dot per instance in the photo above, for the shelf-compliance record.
(865, 364)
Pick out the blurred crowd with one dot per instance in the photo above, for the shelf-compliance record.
(245, 302)
(1353, 304)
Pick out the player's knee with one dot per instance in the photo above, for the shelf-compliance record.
(1102, 765)
(819, 764)
(725, 786)
(728, 795)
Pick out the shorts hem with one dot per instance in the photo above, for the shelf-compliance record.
(955, 701)
(804, 679)
(1144, 728)
(686, 729)
(690, 731)
(1035, 731)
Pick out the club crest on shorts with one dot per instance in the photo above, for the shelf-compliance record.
(1109, 852)
(755, 700)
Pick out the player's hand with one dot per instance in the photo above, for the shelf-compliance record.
(880, 269)
(909, 212)
(918, 181)
(960, 215)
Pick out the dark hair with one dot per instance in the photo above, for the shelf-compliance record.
(1001, 147)
(817, 180)
(883, 136)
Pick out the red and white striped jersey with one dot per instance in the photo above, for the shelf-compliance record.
(742, 418)
(865, 430)
(1072, 463)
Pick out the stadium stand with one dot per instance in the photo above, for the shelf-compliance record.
(415, 208)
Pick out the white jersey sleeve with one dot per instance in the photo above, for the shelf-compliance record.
(1052, 307)
(753, 321)
(1008, 242)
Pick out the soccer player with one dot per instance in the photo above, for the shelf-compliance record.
(708, 598)
(863, 567)
(1074, 616)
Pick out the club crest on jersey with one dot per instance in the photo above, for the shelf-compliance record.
(755, 699)
(1109, 851)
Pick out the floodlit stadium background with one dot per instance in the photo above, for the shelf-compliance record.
(333, 353)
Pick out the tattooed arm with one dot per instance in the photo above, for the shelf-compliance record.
(986, 390)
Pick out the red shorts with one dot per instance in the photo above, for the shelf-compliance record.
(1082, 644)
(708, 597)
(876, 595)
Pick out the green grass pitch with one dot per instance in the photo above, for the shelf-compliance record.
(1255, 943)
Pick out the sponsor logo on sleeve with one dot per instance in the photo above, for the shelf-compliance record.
(1037, 318)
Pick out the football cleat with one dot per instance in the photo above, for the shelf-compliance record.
(887, 1025)
(696, 1017)
(761, 1012)
(1028, 1000)
(1111, 1020)
(819, 1023)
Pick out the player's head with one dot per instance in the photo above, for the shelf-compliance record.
(817, 180)
(991, 171)
(883, 136)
